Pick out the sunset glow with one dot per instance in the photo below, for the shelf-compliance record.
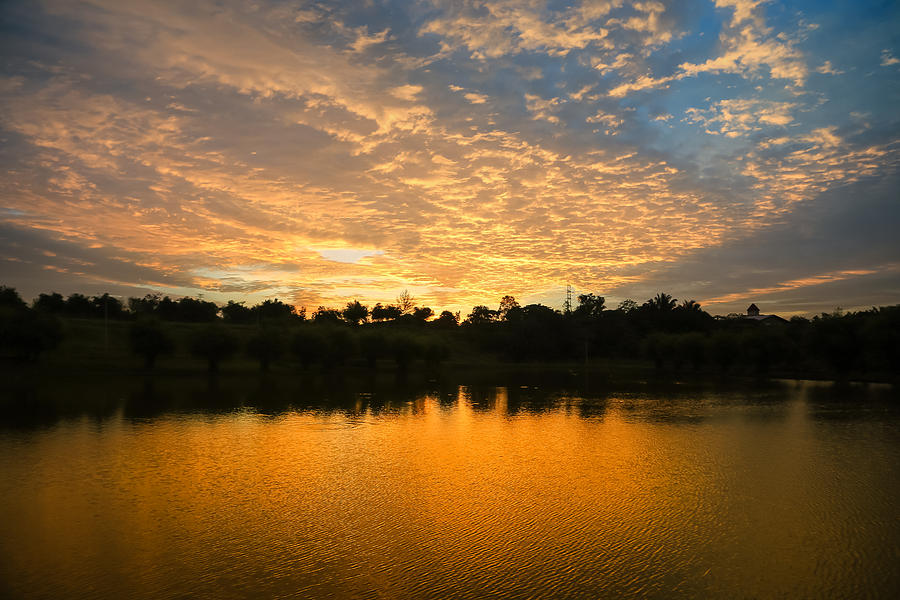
(730, 151)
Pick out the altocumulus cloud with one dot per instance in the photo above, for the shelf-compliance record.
(729, 151)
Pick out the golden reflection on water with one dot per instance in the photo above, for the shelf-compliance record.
(464, 495)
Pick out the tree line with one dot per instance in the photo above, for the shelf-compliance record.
(672, 335)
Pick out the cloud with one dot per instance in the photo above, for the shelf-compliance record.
(461, 150)
(888, 59)
(744, 10)
(828, 69)
(736, 117)
(648, 21)
(489, 30)
(829, 253)
(746, 51)
(746, 48)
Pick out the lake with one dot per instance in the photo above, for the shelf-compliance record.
(132, 488)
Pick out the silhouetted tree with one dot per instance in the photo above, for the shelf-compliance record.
(656, 314)
(422, 313)
(662, 302)
(107, 306)
(405, 302)
(326, 316)
(690, 306)
(534, 332)
(481, 315)
(25, 333)
(627, 305)
(447, 320)
(9, 298)
(266, 345)
(53, 303)
(214, 343)
(386, 313)
(881, 333)
(79, 306)
(355, 313)
(837, 340)
(167, 309)
(507, 303)
(192, 310)
(590, 306)
(144, 306)
(689, 316)
(150, 340)
(236, 312)
(377, 312)
(273, 310)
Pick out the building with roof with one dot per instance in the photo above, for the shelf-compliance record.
(753, 314)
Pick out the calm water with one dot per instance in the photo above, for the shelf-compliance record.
(450, 491)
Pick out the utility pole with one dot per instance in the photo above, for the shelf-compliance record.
(567, 307)
(106, 322)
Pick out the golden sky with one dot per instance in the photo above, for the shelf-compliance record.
(732, 151)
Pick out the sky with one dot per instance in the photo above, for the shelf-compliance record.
(727, 151)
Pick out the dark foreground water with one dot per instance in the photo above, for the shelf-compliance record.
(447, 491)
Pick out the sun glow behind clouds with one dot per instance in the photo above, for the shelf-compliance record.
(325, 152)
(347, 255)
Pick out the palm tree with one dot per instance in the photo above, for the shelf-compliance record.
(691, 306)
(662, 302)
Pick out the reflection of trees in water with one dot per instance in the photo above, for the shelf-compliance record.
(30, 400)
(524, 399)
(851, 401)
